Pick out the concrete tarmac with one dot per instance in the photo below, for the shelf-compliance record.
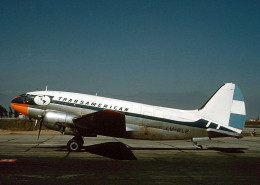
(105, 160)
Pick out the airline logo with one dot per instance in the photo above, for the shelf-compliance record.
(42, 100)
(89, 104)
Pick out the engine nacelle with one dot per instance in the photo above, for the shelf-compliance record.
(58, 120)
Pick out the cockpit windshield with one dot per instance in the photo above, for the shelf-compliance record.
(24, 99)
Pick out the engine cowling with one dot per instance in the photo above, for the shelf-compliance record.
(58, 121)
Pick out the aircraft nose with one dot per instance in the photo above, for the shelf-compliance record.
(18, 99)
(18, 104)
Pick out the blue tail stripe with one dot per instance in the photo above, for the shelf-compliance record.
(237, 120)
(238, 94)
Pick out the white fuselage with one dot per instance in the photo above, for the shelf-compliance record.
(142, 121)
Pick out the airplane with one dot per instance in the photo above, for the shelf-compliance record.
(82, 115)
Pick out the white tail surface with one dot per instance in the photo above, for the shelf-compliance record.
(226, 107)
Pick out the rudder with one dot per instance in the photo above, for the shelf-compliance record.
(238, 113)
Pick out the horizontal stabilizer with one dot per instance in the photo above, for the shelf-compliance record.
(221, 133)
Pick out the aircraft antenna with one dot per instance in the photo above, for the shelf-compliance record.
(46, 88)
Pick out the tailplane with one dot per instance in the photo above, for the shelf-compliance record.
(226, 107)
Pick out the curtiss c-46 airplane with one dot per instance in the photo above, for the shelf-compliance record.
(81, 115)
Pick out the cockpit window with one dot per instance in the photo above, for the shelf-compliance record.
(29, 99)
(24, 99)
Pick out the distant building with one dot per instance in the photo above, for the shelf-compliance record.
(21, 116)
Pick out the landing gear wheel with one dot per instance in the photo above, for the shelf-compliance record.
(200, 147)
(80, 139)
(74, 145)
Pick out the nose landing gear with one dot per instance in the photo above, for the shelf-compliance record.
(75, 144)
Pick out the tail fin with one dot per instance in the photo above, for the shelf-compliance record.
(226, 107)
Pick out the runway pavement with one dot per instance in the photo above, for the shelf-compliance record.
(106, 160)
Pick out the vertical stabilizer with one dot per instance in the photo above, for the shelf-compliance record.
(226, 107)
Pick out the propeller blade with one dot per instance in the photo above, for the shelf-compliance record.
(36, 121)
(40, 128)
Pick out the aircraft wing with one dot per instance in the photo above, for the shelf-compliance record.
(105, 122)
(221, 133)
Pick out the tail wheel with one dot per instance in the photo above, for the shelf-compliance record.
(74, 145)
(200, 147)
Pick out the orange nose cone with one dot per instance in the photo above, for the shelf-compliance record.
(22, 108)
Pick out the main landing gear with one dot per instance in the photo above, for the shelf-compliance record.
(75, 144)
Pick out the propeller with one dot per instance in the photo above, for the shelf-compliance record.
(36, 121)
(40, 128)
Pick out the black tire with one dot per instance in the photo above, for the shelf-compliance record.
(74, 145)
(200, 147)
(80, 139)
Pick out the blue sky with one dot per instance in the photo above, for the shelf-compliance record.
(127, 48)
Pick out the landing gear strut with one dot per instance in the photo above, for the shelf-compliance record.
(197, 146)
(75, 144)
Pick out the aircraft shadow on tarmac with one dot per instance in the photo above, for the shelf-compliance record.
(113, 150)
(219, 149)
(119, 151)
(227, 150)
